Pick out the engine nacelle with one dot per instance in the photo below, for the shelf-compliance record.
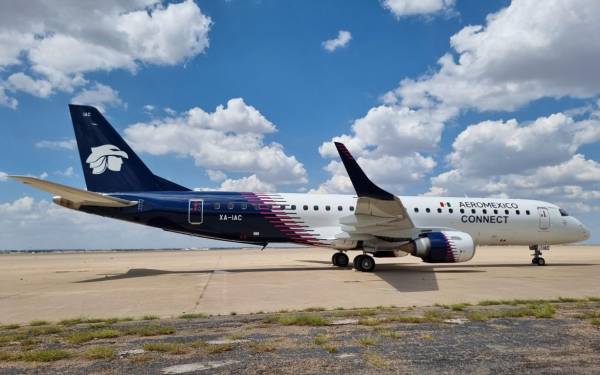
(444, 247)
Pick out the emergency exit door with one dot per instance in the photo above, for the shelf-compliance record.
(544, 218)
(196, 211)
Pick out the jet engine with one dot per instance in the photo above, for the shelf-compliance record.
(443, 247)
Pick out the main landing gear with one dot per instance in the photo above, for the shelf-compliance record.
(340, 259)
(364, 263)
(537, 252)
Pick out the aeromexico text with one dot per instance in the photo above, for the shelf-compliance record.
(492, 219)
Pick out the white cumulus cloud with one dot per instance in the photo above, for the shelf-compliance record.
(57, 43)
(99, 96)
(342, 40)
(401, 8)
(230, 139)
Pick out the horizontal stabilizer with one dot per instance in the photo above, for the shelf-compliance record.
(74, 195)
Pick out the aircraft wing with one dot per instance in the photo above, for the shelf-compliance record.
(73, 195)
(378, 214)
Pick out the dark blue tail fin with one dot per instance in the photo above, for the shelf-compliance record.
(109, 164)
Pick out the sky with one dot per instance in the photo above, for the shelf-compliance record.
(434, 97)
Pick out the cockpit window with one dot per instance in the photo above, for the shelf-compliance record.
(563, 212)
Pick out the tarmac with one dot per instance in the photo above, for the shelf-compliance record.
(57, 286)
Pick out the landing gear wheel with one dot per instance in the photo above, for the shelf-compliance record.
(367, 263)
(340, 259)
(534, 260)
(357, 261)
(541, 262)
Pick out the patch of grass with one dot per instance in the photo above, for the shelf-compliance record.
(10, 326)
(236, 336)
(46, 355)
(477, 315)
(302, 320)
(165, 347)
(29, 343)
(376, 360)
(389, 333)
(193, 316)
(218, 348)
(407, 319)
(262, 346)
(569, 299)
(321, 339)
(370, 321)
(588, 315)
(544, 311)
(314, 309)
(593, 299)
(100, 352)
(459, 306)
(38, 323)
(85, 336)
(44, 330)
(5, 339)
(360, 312)
(150, 330)
(330, 348)
(367, 341)
(6, 356)
(595, 322)
(434, 316)
(150, 317)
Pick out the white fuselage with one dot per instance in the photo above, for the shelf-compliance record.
(489, 221)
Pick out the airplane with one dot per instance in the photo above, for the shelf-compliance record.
(374, 221)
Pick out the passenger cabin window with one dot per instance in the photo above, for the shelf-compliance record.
(340, 208)
(518, 212)
(416, 209)
(230, 205)
(462, 210)
(351, 208)
(472, 210)
(217, 206)
(305, 208)
(316, 208)
(327, 208)
(450, 210)
(495, 212)
(484, 211)
(439, 210)
(527, 212)
(293, 206)
(506, 212)
(563, 212)
(427, 210)
(282, 207)
(244, 206)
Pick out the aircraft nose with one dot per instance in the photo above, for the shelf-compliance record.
(585, 232)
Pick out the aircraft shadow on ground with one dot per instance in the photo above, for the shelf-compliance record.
(402, 277)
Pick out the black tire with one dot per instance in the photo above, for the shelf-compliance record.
(357, 261)
(334, 259)
(342, 260)
(541, 262)
(367, 263)
(534, 260)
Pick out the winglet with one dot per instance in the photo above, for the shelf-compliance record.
(363, 186)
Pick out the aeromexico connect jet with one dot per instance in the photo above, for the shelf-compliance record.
(380, 224)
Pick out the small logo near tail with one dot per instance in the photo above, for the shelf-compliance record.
(106, 157)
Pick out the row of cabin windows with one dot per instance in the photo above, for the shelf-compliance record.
(473, 211)
(244, 206)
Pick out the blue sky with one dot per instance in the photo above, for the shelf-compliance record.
(418, 126)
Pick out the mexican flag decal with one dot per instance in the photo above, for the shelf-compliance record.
(445, 204)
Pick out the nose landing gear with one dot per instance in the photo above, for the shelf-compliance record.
(537, 252)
